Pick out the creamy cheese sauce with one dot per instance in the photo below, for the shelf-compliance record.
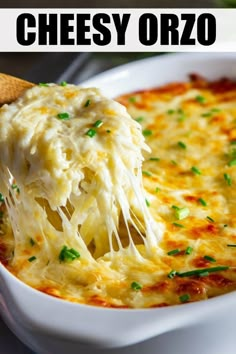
(72, 194)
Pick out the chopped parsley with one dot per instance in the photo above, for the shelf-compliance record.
(136, 286)
(228, 179)
(173, 252)
(182, 145)
(196, 170)
(147, 132)
(63, 115)
(210, 259)
(87, 103)
(31, 259)
(202, 201)
(91, 133)
(184, 298)
(68, 255)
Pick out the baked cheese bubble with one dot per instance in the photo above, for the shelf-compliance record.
(75, 157)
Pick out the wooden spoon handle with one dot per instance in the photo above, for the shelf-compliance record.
(12, 88)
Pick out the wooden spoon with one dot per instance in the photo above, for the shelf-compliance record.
(12, 88)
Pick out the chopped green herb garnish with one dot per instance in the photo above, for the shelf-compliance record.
(63, 83)
(32, 242)
(136, 286)
(233, 142)
(87, 103)
(215, 110)
(200, 99)
(202, 201)
(207, 114)
(184, 297)
(1, 215)
(182, 145)
(170, 111)
(175, 207)
(204, 274)
(139, 119)
(225, 225)
(177, 225)
(132, 99)
(68, 255)
(181, 213)
(91, 133)
(202, 270)
(232, 163)
(108, 131)
(98, 123)
(188, 250)
(154, 159)
(63, 115)
(157, 189)
(173, 252)
(228, 179)
(146, 173)
(147, 132)
(231, 245)
(172, 274)
(210, 219)
(43, 84)
(174, 162)
(1, 198)
(31, 259)
(147, 203)
(196, 170)
(209, 258)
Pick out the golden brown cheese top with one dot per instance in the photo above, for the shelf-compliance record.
(190, 183)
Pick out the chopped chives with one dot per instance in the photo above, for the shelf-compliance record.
(146, 173)
(87, 103)
(209, 258)
(172, 274)
(136, 286)
(63, 83)
(210, 219)
(154, 159)
(132, 99)
(216, 110)
(196, 170)
(91, 133)
(202, 270)
(181, 213)
(173, 252)
(68, 255)
(233, 142)
(174, 162)
(139, 119)
(147, 132)
(202, 201)
(1, 198)
(32, 242)
(1, 215)
(177, 224)
(157, 189)
(231, 245)
(98, 123)
(31, 259)
(108, 131)
(228, 179)
(207, 114)
(170, 111)
(182, 145)
(147, 203)
(184, 297)
(188, 250)
(200, 99)
(63, 115)
(43, 84)
(232, 163)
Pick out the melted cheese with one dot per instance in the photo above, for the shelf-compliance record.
(95, 201)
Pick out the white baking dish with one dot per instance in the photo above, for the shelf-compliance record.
(52, 326)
